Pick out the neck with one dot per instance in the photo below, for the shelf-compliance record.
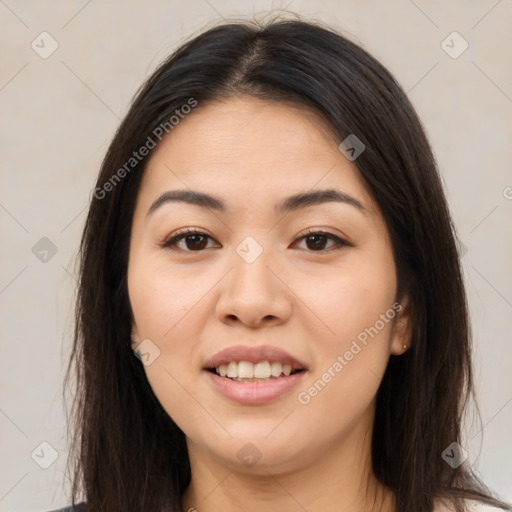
(340, 479)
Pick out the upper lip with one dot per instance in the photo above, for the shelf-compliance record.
(254, 354)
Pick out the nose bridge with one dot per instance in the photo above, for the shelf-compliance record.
(252, 291)
(251, 272)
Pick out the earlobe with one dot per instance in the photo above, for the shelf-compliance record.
(134, 337)
(402, 329)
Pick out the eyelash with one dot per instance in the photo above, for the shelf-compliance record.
(170, 242)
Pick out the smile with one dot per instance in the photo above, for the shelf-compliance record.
(245, 371)
(254, 374)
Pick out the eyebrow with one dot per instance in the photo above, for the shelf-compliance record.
(291, 203)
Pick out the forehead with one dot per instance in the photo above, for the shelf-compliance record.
(249, 148)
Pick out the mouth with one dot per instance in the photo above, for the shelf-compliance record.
(254, 375)
(262, 371)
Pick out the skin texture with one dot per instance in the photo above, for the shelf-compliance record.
(311, 302)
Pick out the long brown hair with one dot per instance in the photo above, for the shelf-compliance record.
(127, 454)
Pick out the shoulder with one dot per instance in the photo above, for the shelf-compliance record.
(79, 507)
(473, 506)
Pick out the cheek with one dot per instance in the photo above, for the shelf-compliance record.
(167, 310)
(162, 297)
(166, 306)
(357, 305)
(349, 298)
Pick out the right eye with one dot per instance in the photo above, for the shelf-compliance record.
(193, 240)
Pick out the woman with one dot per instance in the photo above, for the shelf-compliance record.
(269, 236)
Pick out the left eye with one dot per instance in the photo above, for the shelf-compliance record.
(198, 241)
(317, 240)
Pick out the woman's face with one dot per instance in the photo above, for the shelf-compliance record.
(260, 287)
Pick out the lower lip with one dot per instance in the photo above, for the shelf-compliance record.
(255, 393)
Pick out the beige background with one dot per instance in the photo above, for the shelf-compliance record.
(58, 115)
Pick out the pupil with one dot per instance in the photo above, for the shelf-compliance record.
(197, 241)
(316, 237)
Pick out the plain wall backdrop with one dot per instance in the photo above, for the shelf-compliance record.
(59, 109)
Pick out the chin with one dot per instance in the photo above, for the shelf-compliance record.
(258, 452)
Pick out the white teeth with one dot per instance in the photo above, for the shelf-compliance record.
(262, 370)
(276, 369)
(232, 370)
(244, 370)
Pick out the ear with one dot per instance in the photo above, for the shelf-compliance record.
(402, 327)
(135, 340)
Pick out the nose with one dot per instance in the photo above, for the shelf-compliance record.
(254, 294)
